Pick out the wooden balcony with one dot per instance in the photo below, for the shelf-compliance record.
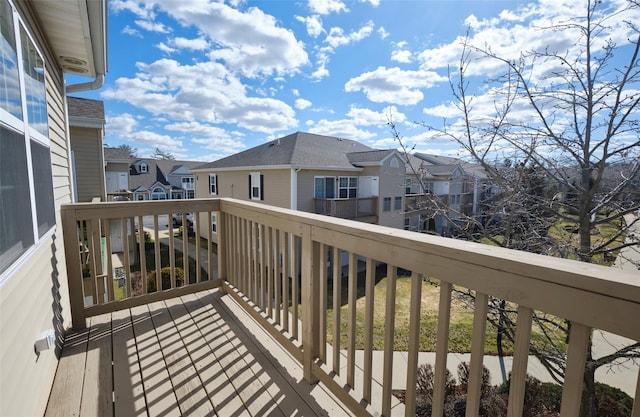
(361, 209)
(257, 304)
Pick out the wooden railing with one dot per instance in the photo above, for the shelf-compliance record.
(277, 263)
(347, 208)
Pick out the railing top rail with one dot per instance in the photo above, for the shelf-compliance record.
(116, 209)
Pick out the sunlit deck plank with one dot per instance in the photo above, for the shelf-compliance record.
(66, 392)
(226, 350)
(192, 398)
(161, 400)
(196, 354)
(215, 382)
(97, 391)
(127, 381)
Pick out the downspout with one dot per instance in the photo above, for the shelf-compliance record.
(91, 85)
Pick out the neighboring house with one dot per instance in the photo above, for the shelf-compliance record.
(313, 173)
(146, 178)
(116, 172)
(86, 131)
(41, 41)
(151, 179)
(454, 190)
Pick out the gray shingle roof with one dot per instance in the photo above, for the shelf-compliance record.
(299, 149)
(367, 157)
(115, 154)
(84, 107)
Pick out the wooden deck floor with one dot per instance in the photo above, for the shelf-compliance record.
(194, 355)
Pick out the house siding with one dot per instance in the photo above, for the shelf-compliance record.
(235, 184)
(35, 298)
(87, 154)
(306, 185)
(392, 185)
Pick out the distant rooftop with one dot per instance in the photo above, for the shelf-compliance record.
(304, 150)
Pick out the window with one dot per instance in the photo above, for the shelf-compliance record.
(408, 185)
(214, 222)
(397, 203)
(407, 223)
(158, 193)
(386, 204)
(256, 186)
(144, 167)
(187, 183)
(27, 208)
(213, 184)
(347, 187)
(324, 187)
(394, 163)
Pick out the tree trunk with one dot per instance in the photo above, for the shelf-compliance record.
(589, 393)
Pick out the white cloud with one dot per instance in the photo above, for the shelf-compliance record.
(210, 137)
(250, 42)
(120, 124)
(152, 26)
(393, 85)
(374, 3)
(198, 44)
(368, 117)
(337, 37)
(131, 31)
(143, 11)
(302, 104)
(313, 24)
(383, 32)
(207, 92)
(340, 128)
(165, 48)
(327, 6)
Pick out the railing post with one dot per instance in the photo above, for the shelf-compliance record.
(222, 250)
(310, 303)
(72, 247)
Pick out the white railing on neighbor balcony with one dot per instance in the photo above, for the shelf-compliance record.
(347, 208)
(277, 264)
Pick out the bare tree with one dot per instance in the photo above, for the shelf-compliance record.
(568, 120)
(160, 154)
(133, 152)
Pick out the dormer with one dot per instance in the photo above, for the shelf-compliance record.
(143, 167)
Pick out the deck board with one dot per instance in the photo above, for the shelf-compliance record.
(198, 354)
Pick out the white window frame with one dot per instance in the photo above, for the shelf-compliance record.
(32, 136)
(397, 203)
(144, 167)
(155, 192)
(348, 188)
(255, 185)
(214, 223)
(213, 184)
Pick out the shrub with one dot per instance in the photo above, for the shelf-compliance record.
(165, 274)
(612, 402)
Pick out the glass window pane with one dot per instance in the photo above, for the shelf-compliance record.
(43, 182)
(319, 188)
(34, 85)
(16, 225)
(9, 81)
(353, 182)
(330, 187)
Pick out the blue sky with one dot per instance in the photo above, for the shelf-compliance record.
(204, 79)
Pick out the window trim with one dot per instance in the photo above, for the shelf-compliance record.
(324, 184)
(213, 186)
(397, 203)
(30, 136)
(348, 188)
(256, 181)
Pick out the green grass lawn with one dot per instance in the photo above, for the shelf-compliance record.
(460, 327)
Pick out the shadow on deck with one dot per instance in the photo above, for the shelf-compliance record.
(194, 355)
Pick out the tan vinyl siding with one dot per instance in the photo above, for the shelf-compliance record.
(392, 184)
(87, 153)
(235, 184)
(35, 297)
